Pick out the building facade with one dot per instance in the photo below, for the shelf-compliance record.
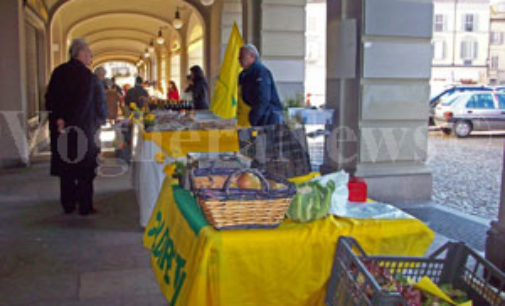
(497, 45)
(460, 41)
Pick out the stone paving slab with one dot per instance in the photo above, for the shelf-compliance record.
(453, 225)
(137, 300)
(121, 283)
(31, 288)
(48, 258)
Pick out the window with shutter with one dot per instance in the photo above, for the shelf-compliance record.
(439, 25)
(496, 38)
(469, 50)
(494, 62)
(468, 23)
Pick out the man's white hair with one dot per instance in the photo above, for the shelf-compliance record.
(76, 46)
(251, 49)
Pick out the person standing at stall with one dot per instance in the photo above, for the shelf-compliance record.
(113, 101)
(74, 99)
(258, 89)
(200, 88)
(187, 94)
(135, 93)
(100, 73)
(173, 93)
(116, 86)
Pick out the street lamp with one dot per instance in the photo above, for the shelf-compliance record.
(207, 2)
(160, 40)
(178, 23)
(151, 46)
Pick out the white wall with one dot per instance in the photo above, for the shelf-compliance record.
(315, 55)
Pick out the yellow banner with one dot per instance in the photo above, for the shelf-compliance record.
(180, 143)
(242, 111)
(225, 100)
(291, 265)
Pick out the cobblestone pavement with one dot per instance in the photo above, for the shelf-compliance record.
(467, 172)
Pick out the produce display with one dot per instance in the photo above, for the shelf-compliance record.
(164, 104)
(191, 120)
(312, 201)
(408, 290)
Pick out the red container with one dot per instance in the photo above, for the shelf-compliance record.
(357, 189)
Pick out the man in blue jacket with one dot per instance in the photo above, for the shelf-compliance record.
(258, 89)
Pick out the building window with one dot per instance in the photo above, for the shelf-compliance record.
(495, 62)
(469, 23)
(439, 50)
(496, 38)
(439, 23)
(469, 50)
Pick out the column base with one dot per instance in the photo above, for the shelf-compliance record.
(397, 183)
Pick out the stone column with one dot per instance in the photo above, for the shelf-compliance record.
(167, 60)
(251, 18)
(13, 135)
(184, 57)
(282, 44)
(232, 13)
(159, 65)
(378, 83)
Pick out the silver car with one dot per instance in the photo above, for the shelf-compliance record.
(471, 111)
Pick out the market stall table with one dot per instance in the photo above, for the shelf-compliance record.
(290, 265)
(148, 173)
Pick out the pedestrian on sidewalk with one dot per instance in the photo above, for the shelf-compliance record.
(75, 99)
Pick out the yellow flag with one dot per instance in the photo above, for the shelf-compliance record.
(225, 99)
(242, 111)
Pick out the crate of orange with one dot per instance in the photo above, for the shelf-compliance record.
(243, 198)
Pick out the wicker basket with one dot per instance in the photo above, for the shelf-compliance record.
(234, 208)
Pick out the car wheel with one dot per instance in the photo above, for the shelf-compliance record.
(462, 128)
(446, 131)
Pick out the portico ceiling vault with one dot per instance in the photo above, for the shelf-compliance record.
(121, 27)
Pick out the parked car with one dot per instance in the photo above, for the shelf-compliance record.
(471, 111)
(449, 94)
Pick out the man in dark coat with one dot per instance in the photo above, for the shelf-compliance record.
(74, 99)
(258, 89)
(136, 93)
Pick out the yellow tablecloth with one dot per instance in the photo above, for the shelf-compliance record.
(290, 265)
(180, 143)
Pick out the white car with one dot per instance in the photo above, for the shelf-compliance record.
(471, 111)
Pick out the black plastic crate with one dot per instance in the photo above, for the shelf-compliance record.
(454, 263)
(278, 149)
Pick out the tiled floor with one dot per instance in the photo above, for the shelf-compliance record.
(48, 258)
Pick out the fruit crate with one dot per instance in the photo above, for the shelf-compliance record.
(454, 263)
